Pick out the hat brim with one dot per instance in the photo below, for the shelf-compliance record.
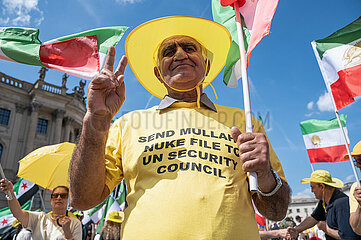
(143, 41)
(337, 183)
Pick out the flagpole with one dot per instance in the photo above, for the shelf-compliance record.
(8, 195)
(253, 184)
(312, 168)
(348, 149)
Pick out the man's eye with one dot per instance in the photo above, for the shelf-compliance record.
(189, 49)
(168, 53)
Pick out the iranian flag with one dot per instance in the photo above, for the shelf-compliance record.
(339, 58)
(82, 54)
(24, 191)
(324, 139)
(256, 18)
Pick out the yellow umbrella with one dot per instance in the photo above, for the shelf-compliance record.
(47, 166)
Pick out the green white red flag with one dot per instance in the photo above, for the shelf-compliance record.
(324, 139)
(114, 202)
(256, 17)
(24, 191)
(339, 58)
(81, 54)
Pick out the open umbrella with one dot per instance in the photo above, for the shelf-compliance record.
(47, 166)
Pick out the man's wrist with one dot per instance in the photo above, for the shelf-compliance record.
(275, 188)
(96, 122)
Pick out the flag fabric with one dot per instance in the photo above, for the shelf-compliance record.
(81, 54)
(339, 58)
(324, 139)
(256, 18)
(114, 202)
(24, 190)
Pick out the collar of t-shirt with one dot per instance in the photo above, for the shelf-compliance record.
(168, 101)
(335, 195)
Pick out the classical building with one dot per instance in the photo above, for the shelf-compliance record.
(35, 115)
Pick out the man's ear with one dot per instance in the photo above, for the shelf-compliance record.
(157, 74)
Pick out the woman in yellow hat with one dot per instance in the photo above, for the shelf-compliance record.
(112, 226)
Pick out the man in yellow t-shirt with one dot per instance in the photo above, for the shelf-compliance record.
(355, 194)
(185, 161)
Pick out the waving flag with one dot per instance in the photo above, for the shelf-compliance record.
(339, 58)
(114, 202)
(81, 54)
(24, 190)
(256, 17)
(324, 139)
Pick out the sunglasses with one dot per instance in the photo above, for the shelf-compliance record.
(62, 195)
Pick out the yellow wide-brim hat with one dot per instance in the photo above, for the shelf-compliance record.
(356, 151)
(115, 216)
(322, 176)
(143, 41)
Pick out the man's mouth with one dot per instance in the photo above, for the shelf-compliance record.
(182, 65)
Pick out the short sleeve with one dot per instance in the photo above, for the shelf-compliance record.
(77, 230)
(275, 162)
(113, 160)
(352, 200)
(319, 212)
(33, 220)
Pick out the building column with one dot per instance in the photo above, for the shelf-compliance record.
(68, 123)
(59, 115)
(12, 161)
(34, 107)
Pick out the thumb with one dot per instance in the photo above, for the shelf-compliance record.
(235, 132)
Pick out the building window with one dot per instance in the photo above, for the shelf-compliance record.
(42, 126)
(1, 150)
(4, 116)
(289, 211)
(298, 210)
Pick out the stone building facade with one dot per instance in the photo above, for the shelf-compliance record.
(35, 115)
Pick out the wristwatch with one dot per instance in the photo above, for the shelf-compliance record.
(277, 187)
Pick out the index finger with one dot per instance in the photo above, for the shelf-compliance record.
(109, 61)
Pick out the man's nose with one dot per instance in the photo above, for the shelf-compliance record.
(180, 53)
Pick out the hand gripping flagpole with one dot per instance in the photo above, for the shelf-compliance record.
(253, 184)
(8, 195)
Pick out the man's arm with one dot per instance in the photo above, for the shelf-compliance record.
(355, 217)
(21, 215)
(87, 168)
(306, 224)
(283, 233)
(329, 231)
(254, 153)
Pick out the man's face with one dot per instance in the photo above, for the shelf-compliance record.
(59, 199)
(358, 161)
(317, 189)
(181, 62)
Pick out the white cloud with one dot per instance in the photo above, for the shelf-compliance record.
(310, 105)
(350, 178)
(305, 193)
(324, 103)
(128, 1)
(20, 12)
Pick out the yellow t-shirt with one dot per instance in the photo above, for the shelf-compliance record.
(352, 200)
(183, 172)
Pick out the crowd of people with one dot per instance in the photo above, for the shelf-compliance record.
(188, 179)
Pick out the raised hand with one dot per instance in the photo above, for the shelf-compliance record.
(106, 92)
(253, 151)
(357, 194)
(6, 186)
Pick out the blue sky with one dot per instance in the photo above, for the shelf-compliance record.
(286, 83)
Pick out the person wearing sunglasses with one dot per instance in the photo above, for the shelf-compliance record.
(57, 224)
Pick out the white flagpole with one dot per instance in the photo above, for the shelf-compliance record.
(312, 168)
(253, 184)
(324, 75)
(348, 149)
(8, 195)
